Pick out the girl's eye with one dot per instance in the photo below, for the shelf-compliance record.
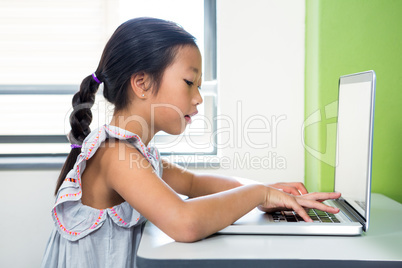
(188, 82)
(191, 83)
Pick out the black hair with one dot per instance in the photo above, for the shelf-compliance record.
(146, 45)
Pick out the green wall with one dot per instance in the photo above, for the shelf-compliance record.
(349, 36)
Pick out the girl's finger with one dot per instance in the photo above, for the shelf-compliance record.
(307, 203)
(290, 190)
(301, 211)
(294, 188)
(319, 196)
(300, 187)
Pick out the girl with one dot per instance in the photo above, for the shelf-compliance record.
(111, 181)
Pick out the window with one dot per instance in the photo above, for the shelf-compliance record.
(48, 47)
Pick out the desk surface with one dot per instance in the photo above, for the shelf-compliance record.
(382, 243)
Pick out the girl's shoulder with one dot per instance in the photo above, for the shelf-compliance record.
(115, 142)
(73, 219)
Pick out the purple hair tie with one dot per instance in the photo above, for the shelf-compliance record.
(96, 78)
(74, 146)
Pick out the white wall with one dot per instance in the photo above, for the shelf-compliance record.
(261, 78)
(25, 221)
(260, 67)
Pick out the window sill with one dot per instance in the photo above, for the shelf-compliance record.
(194, 161)
(32, 162)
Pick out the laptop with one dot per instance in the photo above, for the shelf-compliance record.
(352, 172)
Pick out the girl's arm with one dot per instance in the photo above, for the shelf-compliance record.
(193, 185)
(192, 219)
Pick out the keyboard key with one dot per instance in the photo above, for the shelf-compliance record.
(315, 215)
(325, 219)
(291, 219)
(311, 213)
(321, 213)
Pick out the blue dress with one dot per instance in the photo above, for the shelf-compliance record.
(87, 237)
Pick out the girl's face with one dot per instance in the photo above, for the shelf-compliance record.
(178, 96)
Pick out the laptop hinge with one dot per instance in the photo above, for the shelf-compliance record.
(353, 214)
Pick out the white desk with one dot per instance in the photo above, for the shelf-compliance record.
(381, 246)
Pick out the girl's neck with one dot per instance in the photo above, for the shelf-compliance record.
(135, 124)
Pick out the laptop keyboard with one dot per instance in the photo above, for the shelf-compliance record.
(315, 214)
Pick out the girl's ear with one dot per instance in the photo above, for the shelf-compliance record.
(140, 84)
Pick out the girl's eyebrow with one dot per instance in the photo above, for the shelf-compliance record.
(194, 69)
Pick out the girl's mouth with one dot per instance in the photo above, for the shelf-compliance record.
(188, 117)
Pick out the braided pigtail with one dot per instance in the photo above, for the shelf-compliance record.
(80, 119)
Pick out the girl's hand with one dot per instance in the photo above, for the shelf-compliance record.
(294, 188)
(277, 201)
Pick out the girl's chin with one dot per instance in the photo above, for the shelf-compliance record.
(177, 131)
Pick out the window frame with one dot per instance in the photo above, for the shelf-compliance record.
(56, 161)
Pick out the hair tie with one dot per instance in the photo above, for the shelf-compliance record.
(74, 146)
(96, 78)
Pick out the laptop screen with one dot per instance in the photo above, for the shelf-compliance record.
(354, 139)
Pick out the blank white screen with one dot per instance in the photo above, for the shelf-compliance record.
(354, 115)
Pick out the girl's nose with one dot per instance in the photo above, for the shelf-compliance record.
(197, 98)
